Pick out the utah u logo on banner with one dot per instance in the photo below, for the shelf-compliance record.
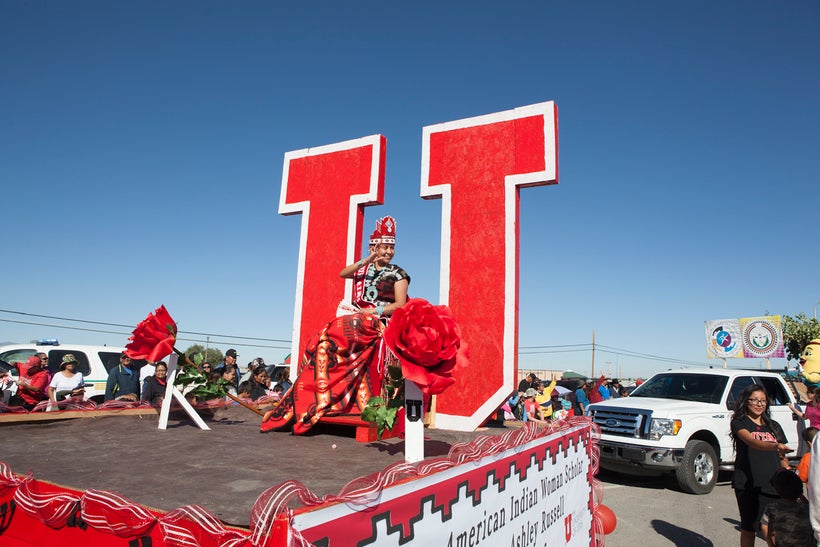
(476, 166)
(568, 527)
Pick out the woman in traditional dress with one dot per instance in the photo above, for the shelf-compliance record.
(342, 366)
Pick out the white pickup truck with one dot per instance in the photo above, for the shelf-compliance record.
(678, 421)
(93, 362)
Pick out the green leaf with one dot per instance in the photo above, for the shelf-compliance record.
(390, 419)
(369, 414)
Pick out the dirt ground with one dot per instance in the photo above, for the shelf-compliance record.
(224, 469)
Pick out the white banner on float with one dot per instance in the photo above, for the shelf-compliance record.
(537, 494)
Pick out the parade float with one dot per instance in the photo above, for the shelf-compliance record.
(533, 485)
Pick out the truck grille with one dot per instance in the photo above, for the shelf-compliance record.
(622, 422)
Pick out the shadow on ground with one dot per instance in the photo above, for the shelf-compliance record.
(734, 522)
(680, 536)
(651, 482)
(432, 448)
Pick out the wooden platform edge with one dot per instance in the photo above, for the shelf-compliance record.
(13, 418)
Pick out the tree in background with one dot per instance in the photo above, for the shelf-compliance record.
(198, 354)
(798, 331)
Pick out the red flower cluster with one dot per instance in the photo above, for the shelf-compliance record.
(428, 342)
(154, 337)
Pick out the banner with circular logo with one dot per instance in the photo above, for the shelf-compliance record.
(723, 340)
(762, 336)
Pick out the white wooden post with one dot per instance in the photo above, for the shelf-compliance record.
(413, 423)
(172, 392)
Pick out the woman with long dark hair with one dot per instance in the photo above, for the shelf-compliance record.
(760, 452)
(258, 387)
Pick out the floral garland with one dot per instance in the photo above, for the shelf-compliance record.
(112, 514)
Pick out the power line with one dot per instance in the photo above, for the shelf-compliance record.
(63, 327)
(232, 337)
(630, 353)
(556, 351)
(556, 348)
(237, 344)
(125, 334)
(606, 349)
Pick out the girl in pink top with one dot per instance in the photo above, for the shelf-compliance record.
(812, 412)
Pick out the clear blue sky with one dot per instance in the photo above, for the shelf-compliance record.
(141, 149)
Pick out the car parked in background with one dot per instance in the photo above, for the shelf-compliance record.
(93, 362)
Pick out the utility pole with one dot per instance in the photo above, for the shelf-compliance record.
(593, 355)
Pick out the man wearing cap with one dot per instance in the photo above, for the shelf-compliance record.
(582, 398)
(32, 383)
(228, 361)
(123, 382)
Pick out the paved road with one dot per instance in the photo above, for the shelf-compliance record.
(654, 512)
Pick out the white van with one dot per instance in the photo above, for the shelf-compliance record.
(93, 362)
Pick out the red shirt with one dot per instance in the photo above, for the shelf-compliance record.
(38, 380)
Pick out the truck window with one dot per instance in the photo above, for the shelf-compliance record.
(55, 359)
(737, 386)
(699, 388)
(17, 356)
(774, 390)
(111, 359)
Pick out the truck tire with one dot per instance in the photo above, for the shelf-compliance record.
(698, 470)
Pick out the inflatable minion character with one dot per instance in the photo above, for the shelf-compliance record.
(810, 362)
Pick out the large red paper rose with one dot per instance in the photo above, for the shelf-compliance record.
(154, 337)
(428, 342)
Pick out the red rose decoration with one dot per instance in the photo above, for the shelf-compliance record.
(428, 342)
(154, 337)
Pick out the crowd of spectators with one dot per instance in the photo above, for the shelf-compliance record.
(35, 384)
(540, 401)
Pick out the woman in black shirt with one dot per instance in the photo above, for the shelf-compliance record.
(760, 452)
